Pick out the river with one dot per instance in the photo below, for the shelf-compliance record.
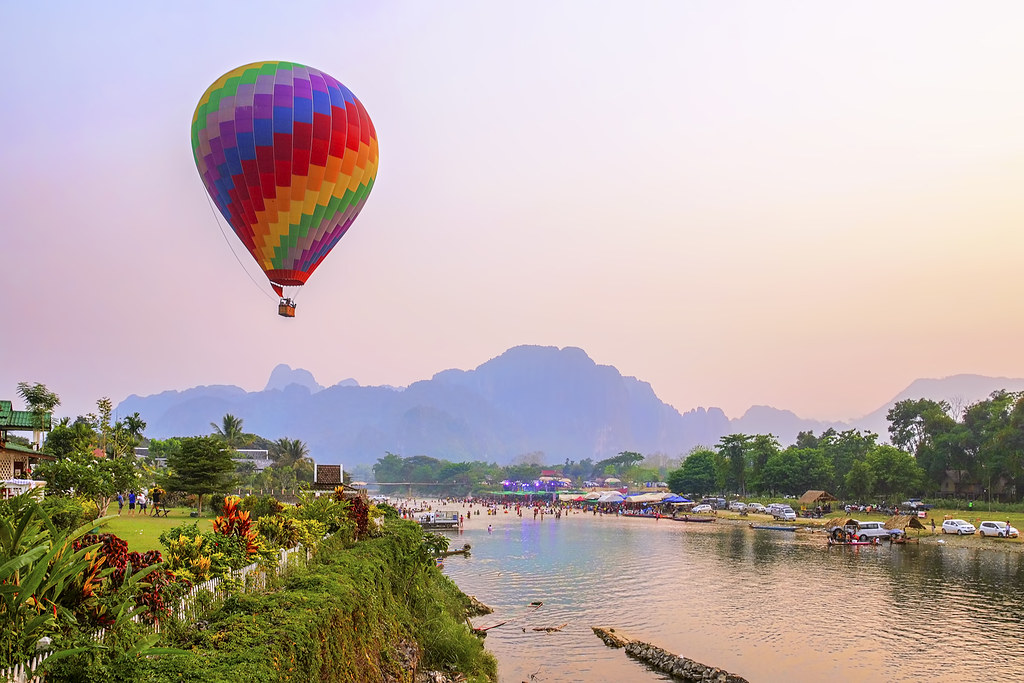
(769, 606)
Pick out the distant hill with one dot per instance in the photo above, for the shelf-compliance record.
(530, 398)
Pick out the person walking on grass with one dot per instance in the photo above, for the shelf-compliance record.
(142, 503)
(120, 502)
(131, 502)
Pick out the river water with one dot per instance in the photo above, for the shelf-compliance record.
(769, 606)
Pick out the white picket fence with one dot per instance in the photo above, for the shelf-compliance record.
(251, 578)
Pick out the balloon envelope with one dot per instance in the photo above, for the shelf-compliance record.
(289, 156)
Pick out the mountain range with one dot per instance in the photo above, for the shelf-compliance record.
(529, 399)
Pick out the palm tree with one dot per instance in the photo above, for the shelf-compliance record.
(289, 452)
(230, 431)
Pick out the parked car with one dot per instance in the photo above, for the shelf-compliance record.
(784, 513)
(915, 504)
(737, 506)
(957, 526)
(776, 506)
(755, 507)
(998, 529)
(866, 531)
(703, 507)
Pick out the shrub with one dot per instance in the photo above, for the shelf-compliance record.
(69, 513)
(262, 506)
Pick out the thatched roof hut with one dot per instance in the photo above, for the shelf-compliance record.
(901, 522)
(813, 497)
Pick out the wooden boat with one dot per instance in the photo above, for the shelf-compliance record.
(772, 527)
(687, 518)
(832, 542)
(901, 539)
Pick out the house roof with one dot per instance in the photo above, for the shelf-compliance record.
(23, 420)
(816, 497)
(18, 449)
(903, 521)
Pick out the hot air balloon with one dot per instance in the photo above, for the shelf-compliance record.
(288, 156)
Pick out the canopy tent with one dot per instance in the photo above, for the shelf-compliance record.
(812, 497)
(611, 497)
(594, 495)
(676, 499)
(647, 498)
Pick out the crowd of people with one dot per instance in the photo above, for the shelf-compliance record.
(145, 503)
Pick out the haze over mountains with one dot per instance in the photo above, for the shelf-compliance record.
(528, 399)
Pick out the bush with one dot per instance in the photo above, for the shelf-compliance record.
(217, 504)
(69, 513)
(262, 506)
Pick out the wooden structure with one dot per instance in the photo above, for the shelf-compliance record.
(816, 498)
(904, 522)
(286, 308)
(16, 460)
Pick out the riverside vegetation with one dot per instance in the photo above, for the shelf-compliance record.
(370, 605)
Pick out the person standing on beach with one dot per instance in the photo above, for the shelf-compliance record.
(488, 528)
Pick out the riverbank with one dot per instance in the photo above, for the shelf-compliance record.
(378, 610)
(762, 604)
(926, 536)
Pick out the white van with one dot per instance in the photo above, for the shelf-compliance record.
(783, 512)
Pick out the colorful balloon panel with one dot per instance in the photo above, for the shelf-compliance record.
(289, 156)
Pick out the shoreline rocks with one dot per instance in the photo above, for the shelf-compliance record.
(664, 661)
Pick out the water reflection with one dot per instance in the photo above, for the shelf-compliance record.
(771, 606)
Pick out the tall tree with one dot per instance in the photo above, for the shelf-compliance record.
(895, 471)
(40, 401)
(99, 479)
(734, 448)
(761, 449)
(289, 452)
(201, 466)
(230, 431)
(696, 475)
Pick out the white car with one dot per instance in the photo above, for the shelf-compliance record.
(998, 529)
(958, 526)
(755, 507)
(737, 506)
(702, 508)
(786, 513)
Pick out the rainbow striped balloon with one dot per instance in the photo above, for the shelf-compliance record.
(289, 156)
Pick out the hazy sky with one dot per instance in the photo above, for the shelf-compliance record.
(806, 205)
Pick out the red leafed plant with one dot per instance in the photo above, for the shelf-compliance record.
(113, 553)
(235, 522)
(358, 511)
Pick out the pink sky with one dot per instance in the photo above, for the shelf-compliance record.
(796, 204)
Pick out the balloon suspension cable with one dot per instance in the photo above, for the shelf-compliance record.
(216, 219)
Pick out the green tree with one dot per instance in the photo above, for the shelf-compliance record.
(796, 470)
(39, 401)
(842, 449)
(734, 449)
(910, 422)
(761, 449)
(66, 439)
(895, 471)
(103, 426)
(230, 431)
(202, 466)
(99, 479)
(860, 480)
(289, 452)
(696, 475)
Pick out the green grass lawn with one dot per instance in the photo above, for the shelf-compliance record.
(143, 532)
